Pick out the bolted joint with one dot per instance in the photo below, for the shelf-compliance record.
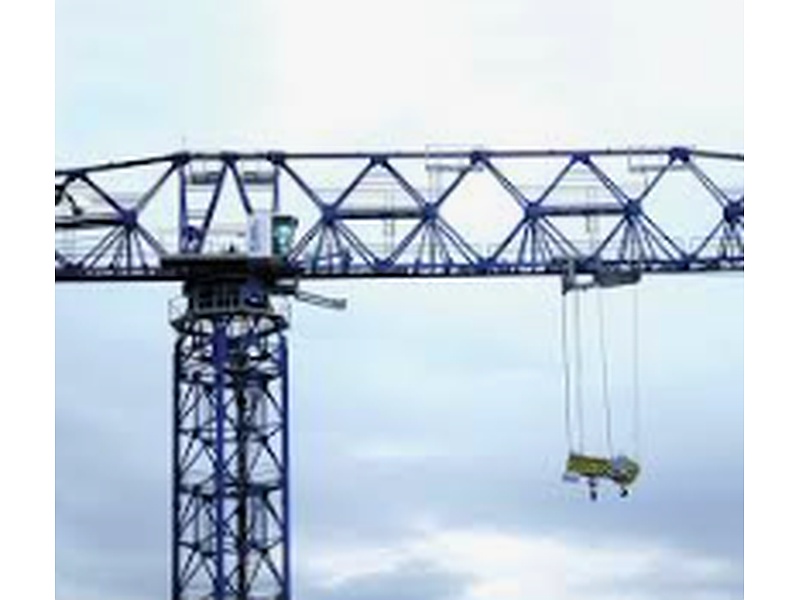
(633, 209)
(733, 211)
(181, 158)
(680, 153)
(533, 211)
(229, 158)
(328, 214)
(430, 212)
(378, 160)
(382, 265)
(477, 158)
(128, 218)
(582, 157)
(277, 158)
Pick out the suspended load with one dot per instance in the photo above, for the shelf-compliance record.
(583, 465)
(619, 469)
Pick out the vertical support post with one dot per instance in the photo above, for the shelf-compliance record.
(241, 493)
(219, 355)
(184, 241)
(276, 191)
(284, 369)
(230, 509)
(176, 469)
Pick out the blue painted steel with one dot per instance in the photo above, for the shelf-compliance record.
(219, 358)
(230, 451)
(240, 186)
(106, 240)
(184, 227)
(283, 369)
(212, 207)
(175, 523)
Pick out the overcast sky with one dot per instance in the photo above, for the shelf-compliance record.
(428, 438)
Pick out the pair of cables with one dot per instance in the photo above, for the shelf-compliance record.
(574, 405)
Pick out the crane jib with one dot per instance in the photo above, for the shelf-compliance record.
(474, 212)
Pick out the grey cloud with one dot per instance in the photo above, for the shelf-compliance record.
(410, 580)
(693, 512)
(112, 523)
(112, 463)
(673, 580)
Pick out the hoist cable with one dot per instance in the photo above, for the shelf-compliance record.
(567, 386)
(591, 230)
(635, 361)
(604, 371)
(578, 371)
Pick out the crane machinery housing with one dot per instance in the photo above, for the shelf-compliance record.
(239, 230)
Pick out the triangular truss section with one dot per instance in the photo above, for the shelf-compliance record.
(379, 220)
(327, 245)
(635, 239)
(565, 217)
(99, 227)
(217, 199)
(535, 243)
(725, 243)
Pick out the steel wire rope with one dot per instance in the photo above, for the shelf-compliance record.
(604, 372)
(636, 382)
(578, 371)
(567, 380)
(591, 229)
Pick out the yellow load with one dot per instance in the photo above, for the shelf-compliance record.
(619, 469)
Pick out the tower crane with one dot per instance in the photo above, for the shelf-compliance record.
(242, 230)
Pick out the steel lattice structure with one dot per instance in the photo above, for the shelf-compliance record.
(380, 221)
(230, 536)
(611, 214)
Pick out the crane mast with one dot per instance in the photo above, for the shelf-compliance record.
(240, 230)
(230, 529)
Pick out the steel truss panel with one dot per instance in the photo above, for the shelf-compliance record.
(409, 214)
(230, 513)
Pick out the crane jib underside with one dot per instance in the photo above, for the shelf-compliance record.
(428, 214)
(411, 271)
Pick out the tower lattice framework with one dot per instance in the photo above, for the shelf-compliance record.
(230, 447)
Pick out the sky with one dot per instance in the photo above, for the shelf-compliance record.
(428, 438)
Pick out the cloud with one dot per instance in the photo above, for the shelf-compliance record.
(380, 450)
(112, 524)
(666, 577)
(484, 564)
(411, 579)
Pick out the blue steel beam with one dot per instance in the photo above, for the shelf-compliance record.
(337, 236)
(230, 506)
